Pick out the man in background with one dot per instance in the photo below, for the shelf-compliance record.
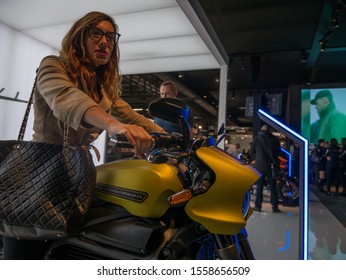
(331, 122)
(264, 152)
(169, 89)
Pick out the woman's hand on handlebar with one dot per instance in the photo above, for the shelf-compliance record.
(136, 135)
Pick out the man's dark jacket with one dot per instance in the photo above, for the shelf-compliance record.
(263, 144)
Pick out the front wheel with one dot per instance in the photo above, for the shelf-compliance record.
(234, 247)
(1, 248)
(194, 242)
(219, 247)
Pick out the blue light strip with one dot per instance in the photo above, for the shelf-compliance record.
(289, 168)
(304, 181)
(288, 242)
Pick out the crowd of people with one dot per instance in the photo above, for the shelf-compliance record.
(328, 166)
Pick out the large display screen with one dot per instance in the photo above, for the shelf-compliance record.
(323, 114)
(323, 111)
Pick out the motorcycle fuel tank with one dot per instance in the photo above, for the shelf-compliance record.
(141, 187)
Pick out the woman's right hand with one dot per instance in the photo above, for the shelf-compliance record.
(135, 134)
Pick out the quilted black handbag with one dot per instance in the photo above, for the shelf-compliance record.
(45, 189)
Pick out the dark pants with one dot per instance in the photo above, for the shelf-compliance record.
(273, 191)
(343, 178)
(15, 249)
(333, 176)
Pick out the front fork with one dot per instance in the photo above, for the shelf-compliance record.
(234, 247)
(227, 247)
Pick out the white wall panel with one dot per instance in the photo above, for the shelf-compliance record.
(19, 58)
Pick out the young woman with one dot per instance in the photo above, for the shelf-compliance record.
(81, 87)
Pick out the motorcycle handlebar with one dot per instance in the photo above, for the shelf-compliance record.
(160, 140)
(120, 141)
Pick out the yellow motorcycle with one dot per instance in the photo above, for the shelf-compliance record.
(186, 200)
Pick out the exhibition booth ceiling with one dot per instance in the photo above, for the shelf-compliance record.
(269, 44)
(156, 35)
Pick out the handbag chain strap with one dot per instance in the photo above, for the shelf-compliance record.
(27, 112)
(66, 138)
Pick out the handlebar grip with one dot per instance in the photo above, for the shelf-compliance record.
(120, 141)
(160, 140)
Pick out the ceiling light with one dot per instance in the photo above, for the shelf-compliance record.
(335, 16)
(335, 23)
(323, 47)
(325, 37)
(157, 35)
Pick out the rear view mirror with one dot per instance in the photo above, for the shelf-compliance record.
(173, 110)
(169, 109)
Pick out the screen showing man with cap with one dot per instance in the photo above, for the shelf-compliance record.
(331, 122)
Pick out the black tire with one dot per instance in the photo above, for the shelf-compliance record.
(288, 191)
(1, 247)
(244, 246)
(206, 249)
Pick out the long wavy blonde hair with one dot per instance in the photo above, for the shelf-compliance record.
(73, 51)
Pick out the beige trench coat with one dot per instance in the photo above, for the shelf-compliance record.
(57, 101)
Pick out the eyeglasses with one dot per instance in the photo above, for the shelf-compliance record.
(96, 34)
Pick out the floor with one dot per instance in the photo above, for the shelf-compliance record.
(275, 236)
